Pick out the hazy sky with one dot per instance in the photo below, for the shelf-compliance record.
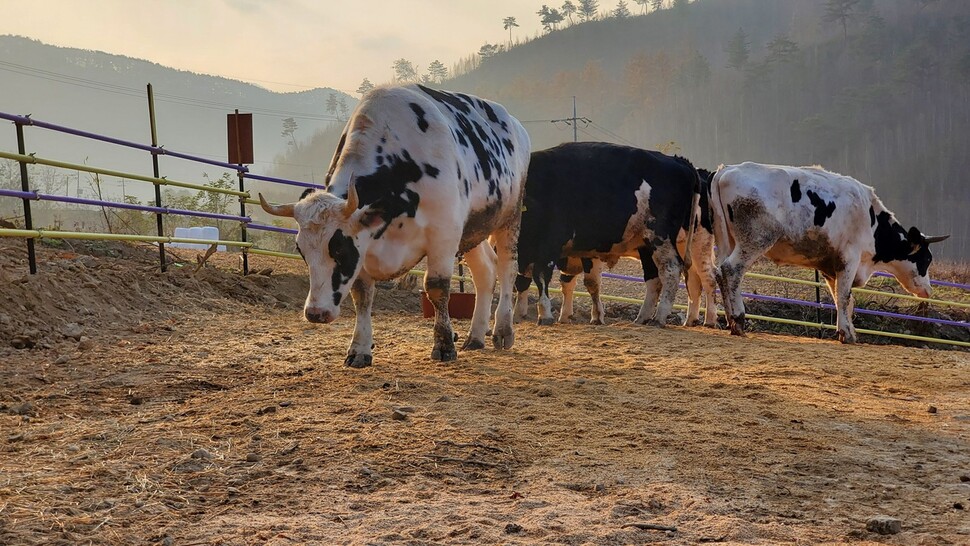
(285, 45)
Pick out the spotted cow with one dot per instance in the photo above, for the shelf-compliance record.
(605, 201)
(700, 275)
(418, 173)
(810, 217)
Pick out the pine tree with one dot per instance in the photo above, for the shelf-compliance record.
(365, 87)
(508, 24)
(568, 9)
(738, 50)
(621, 11)
(588, 9)
(404, 70)
(437, 72)
(840, 11)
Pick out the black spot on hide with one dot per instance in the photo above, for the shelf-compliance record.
(431, 170)
(823, 210)
(386, 190)
(345, 256)
(418, 111)
(796, 192)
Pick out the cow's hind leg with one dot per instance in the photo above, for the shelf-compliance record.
(651, 277)
(693, 299)
(731, 274)
(591, 280)
(669, 267)
(437, 285)
(359, 354)
(481, 261)
(844, 303)
(505, 242)
(568, 285)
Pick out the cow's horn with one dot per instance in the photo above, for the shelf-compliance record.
(936, 238)
(352, 200)
(276, 210)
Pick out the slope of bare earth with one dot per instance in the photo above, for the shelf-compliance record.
(200, 409)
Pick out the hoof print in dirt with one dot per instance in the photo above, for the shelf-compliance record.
(358, 361)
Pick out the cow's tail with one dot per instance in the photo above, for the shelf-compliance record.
(692, 219)
(722, 236)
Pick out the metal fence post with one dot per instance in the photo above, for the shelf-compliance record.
(242, 212)
(158, 189)
(818, 304)
(25, 186)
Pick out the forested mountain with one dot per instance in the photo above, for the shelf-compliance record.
(884, 98)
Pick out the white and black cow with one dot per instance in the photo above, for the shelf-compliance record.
(417, 173)
(700, 276)
(605, 201)
(811, 217)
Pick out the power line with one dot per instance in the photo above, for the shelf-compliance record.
(162, 97)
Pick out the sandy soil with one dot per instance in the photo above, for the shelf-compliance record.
(226, 419)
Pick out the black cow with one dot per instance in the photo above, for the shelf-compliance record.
(605, 201)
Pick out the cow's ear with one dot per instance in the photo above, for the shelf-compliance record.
(370, 217)
(914, 235)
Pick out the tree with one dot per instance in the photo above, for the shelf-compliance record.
(404, 70)
(781, 49)
(488, 50)
(643, 4)
(508, 24)
(840, 11)
(679, 5)
(656, 5)
(365, 87)
(588, 9)
(344, 109)
(332, 104)
(621, 11)
(568, 9)
(549, 17)
(289, 128)
(437, 72)
(738, 50)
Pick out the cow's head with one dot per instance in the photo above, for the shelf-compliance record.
(333, 240)
(910, 263)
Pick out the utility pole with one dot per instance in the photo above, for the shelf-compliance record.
(574, 121)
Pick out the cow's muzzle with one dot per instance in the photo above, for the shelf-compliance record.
(319, 316)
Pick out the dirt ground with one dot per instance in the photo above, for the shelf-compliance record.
(199, 408)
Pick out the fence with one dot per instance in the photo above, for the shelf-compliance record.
(26, 194)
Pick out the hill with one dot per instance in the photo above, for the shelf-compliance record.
(106, 94)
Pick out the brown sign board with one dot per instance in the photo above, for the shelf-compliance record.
(240, 130)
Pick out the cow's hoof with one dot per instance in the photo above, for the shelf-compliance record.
(596, 322)
(566, 320)
(846, 339)
(545, 321)
(656, 323)
(693, 323)
(737, 330)
(444, 354)
(503, 338)
(472, 344)
(358, 360)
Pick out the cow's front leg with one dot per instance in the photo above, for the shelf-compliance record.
(522, 284)
(359, 354)
(591, 280)
(542, 275)
(568, 285)
(844, 303)
(651, 277)
(505, 242)
(481, 261)
(669, 267)
(437, 286)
